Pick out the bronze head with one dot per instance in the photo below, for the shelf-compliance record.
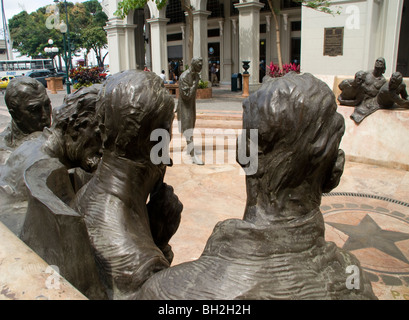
(131, 105)
(28, 104)
(299, 132)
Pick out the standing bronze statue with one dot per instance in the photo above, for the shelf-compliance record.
(186, 108)
(278, 250)
(30, 110)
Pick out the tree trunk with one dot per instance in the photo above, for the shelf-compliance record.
(278, 41)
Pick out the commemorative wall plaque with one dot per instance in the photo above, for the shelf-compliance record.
(333, 41)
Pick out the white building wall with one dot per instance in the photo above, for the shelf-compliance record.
(371, 30)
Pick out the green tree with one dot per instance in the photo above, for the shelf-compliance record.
(95, 38)
(30, 35)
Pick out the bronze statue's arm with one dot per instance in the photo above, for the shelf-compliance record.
(403, 92)
(164, 210)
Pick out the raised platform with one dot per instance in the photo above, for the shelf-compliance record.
(381, 139)
(25, 276)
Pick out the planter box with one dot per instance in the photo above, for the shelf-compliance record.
(200, 93)
(54, 84)
(204, 93)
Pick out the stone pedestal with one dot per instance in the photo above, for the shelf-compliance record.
(245, 85)
(54, 84)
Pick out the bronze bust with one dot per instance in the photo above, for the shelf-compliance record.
(30, 110)
(278, 250)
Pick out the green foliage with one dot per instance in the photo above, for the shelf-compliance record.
(203, 84)
(125, 6)
(85, 77)
(30, 35)
(320, 5)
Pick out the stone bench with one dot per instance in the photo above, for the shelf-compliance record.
(25, 276)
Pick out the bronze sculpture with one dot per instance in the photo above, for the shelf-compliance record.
(278, 250)
(186, 107)
(30, 110)
(393, 94)
(130, 237)
(73, 139)
(365, 102)
(374, 79)
(352, 91)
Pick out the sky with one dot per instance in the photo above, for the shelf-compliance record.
(13, 7)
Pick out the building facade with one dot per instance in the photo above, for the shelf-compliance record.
(227, 32)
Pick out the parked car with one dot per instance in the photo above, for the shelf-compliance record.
(42, 74)
(5, 81)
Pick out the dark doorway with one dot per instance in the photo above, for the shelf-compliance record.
(295, 50)
(262, 71)
(139, 21)
(213, 50)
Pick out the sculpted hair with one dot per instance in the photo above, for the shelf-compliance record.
(79, 104)
(299, 130)
(140, 93)
(15, 89)
(76, 106)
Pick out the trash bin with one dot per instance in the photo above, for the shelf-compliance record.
(239, 82)
(236, 82)
(234, 77)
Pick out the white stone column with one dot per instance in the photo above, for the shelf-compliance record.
(200, 40)
(113, 35)
(159, 47)
(249, 38)
(121, 43)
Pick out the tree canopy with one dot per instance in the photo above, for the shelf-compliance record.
(30, 35)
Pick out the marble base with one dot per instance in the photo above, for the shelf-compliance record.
(381, 138)
(25, 276)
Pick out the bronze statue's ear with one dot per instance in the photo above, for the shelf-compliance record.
(12, 113)
(336, 173)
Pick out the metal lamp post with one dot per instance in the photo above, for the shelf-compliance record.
(52, 51)
(64, 28)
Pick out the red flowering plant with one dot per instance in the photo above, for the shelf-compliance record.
(275, 71)
(85, 77)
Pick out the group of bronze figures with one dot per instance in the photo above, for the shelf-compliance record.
(370, 91)
(82, 191)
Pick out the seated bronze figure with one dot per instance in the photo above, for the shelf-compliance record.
(30, 110)
(352, 91)
(73, 139)
(278, 250)
(130, 237)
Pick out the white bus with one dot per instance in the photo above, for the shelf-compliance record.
(20, 67)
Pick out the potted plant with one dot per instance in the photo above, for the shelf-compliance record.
(85, 77)
(203, 90)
